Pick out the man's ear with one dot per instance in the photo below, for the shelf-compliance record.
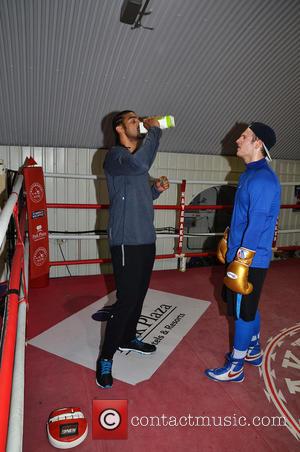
(260, 144)
(120, 128)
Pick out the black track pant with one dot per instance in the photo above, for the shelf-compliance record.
(249, 304)
(132, 265)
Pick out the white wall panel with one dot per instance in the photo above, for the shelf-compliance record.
(72, 161)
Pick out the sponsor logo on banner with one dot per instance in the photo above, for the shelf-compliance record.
(40, 256)
(36, 192)
(38, 214)
(39, 234)
(110, 419)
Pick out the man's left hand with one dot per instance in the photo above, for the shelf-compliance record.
(162, 184)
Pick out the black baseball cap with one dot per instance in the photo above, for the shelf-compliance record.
(264, 133)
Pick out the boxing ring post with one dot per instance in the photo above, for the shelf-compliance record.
(182, 258)
(13, 331)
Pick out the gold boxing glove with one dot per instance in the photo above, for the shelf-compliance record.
(222, 247)
(236, 278)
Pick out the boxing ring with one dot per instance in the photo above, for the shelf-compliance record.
(14, 322)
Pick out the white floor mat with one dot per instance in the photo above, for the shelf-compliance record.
(165, 320)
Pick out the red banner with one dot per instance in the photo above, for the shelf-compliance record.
(37, 226)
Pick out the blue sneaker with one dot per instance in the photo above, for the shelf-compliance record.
(104, 378)
(232, 371)
(254, 356)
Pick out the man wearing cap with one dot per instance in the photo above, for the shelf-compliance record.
(247, 249)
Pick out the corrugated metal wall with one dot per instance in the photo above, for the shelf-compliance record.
(66, 64)
(72, 161)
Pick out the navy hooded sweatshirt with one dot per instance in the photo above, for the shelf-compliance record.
(131, 196)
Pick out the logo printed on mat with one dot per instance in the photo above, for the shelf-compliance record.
(283, 386)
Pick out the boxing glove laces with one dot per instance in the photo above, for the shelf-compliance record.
(236, 277)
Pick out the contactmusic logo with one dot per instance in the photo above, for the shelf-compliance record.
(110, 419)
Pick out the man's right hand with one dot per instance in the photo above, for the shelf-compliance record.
(236, 278)
(222, 247)
(150, 122)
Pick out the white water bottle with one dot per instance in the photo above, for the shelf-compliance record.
(165, 122)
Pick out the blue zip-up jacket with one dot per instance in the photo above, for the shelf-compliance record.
(256, 208)
(131, 197)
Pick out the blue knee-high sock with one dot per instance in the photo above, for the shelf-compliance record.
(242, 337)
(256, 331)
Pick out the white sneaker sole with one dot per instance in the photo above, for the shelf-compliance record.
(220, 380)
(103, 387)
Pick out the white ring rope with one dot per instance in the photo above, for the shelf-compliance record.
(9, 208)
(172, 181)
(66, 236)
